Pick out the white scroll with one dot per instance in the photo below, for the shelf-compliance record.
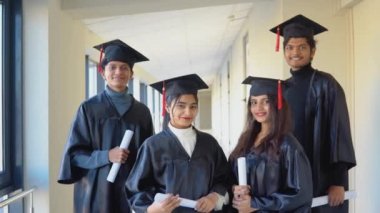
(184, 202)
(242, 171)
(123, 145)
(323, 200)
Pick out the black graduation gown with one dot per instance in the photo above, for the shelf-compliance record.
(283, 185)
(327, 134)
(96, 129)
(163, 166)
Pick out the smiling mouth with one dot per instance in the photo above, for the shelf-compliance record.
(296, 58)
(186, 118)
(261, 114)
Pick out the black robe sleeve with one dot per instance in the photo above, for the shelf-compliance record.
(342, 156)
(341, 145)
(79, 155)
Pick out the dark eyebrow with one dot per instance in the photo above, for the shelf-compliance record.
(181, 102)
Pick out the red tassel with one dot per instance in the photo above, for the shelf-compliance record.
(279, 95)
(100, 69)
(163, 100)
(278, 39)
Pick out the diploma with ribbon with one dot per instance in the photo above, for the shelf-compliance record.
(123, 145)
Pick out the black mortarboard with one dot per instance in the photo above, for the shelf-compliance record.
(298, 26)
(266, 86)
(187, 84)
(116, 50)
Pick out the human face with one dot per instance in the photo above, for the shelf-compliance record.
(117, 75)
(298, 53)
(183, 112)
(260, 108)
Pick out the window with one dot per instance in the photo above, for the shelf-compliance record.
(11, 96)
(1, 89)
(94, 81)
(143, 93)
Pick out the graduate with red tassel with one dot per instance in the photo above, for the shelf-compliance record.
(278, 170)
(180, 161)
(319, 112)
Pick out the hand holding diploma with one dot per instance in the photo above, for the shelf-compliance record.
(159, 197)
(242, 189)
(323, 200)
(123, 145)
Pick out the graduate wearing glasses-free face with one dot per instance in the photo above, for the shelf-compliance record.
(182, 111)
(298, 53)
(260, 109)
(117, 74)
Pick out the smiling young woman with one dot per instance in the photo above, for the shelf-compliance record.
(179, 161)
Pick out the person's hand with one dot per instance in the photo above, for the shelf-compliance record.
(118, 155)
(239, 190)
(336, 195)
(165, 206)
(207, 203)
(243, 203)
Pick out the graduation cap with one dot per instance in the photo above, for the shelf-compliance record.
(299, 26)
(187, 84)
(266, 86)
(116, 50)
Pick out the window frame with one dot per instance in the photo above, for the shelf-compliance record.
(12, 78)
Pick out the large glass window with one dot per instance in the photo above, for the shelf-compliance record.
(1, 88)
(94, 81)
(143, 93)
(11, 96)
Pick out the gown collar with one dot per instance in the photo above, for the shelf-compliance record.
(304, 72)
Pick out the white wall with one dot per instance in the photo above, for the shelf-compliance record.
(229, 110)
(367, 104)
(36, 80)
(66, 91)
(54, 86)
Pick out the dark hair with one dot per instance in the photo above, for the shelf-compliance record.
(309, 39)
(272, 142)
(169, 100)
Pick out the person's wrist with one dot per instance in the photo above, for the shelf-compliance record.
(213, 196)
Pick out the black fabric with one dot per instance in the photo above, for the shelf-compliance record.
(264, 86)
(116, 50)
(326, 132)
(163, 166)
(299, 26)
(96, 129)
(299, 91)
(283, 185)
(187, 84)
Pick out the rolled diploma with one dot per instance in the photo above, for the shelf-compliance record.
(323, 200)
(242, 171)
(184, 202)
(123, 145)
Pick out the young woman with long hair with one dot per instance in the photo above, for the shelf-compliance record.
(278, 171)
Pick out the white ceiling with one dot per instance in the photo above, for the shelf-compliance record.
(177, 42)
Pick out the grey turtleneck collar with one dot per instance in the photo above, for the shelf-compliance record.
(121, 100)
